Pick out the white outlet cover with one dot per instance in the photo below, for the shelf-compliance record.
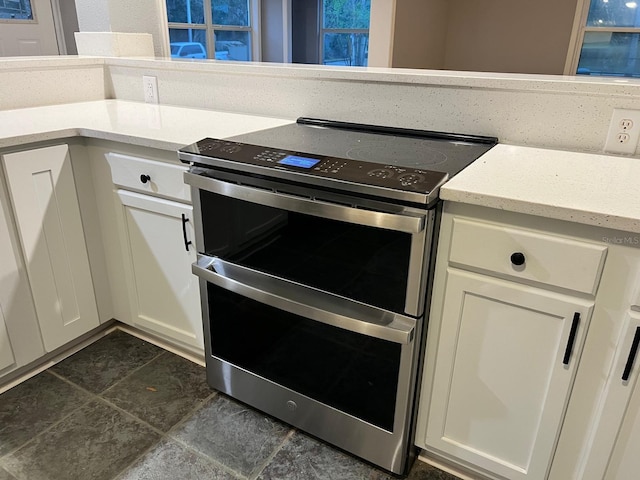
(613, 144)
(150, 88)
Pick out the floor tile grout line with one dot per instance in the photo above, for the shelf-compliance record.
(192, 412)
(209, 459)
(168, 438)
(140, 367)
(285, 440)
(83, 404)
(131, 415)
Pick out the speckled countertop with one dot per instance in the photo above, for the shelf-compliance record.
(157, 126)
(592, 189)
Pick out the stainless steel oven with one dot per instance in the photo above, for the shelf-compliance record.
(314, 277)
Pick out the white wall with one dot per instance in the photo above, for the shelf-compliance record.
(420, 34)
(546, 111)
(125, 16)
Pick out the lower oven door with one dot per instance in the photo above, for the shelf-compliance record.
(340, 370)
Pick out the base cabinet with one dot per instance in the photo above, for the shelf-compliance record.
(614, 452)
(506, 359)
(514, 300)
(7, 358)
(45, 205)
(146, 216)
(157, 236)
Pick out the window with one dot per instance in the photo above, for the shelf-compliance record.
(610, 38)
(344, 35)
(15, 10)
(220, 29)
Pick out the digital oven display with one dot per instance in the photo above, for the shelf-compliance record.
(302, 162)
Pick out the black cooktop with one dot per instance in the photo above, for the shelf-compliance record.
(420, 149)
(353, 156)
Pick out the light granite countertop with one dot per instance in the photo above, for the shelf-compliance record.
(592, 189)
(157, 126)
(586, 188)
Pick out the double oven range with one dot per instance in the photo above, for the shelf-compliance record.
(314, 249)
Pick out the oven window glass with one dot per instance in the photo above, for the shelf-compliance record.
(351, 372)
(362, 263)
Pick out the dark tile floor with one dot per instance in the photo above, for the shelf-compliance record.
(124, 409)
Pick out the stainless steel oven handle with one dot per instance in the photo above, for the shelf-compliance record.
(391, 221)
(306, 301)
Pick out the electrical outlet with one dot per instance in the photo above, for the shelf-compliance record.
(624, 132)
(150, 88)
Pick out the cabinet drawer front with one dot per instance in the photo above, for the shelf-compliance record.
(543, 258)
(163, 179)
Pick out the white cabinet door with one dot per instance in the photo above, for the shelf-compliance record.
(45, 204)
(503, 373)
(163, 292)
(614, 451)
(6, 352)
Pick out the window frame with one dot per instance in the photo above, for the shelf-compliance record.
(322, 31)
(210, 29)
(580, 28)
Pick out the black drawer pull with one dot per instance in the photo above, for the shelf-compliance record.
(572, 338)
(632, 355)
(184, 232)
(517, 258)
(145, 178)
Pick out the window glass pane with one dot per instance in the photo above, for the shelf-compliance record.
(185, 11)
(607, 53)
(16, 9)
(232, 45)
(346, 49)
(230, 12)
(614, 13)
(188, 43)
(348, 14)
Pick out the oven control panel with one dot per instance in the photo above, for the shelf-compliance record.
(348, 170)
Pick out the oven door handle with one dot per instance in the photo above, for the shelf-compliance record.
(306, 301)
(403, 222)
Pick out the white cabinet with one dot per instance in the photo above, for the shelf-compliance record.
(45, 205)
(152, 283)
(507, 356)
(614, 450)
(163, 292)
(6, 352)
(20, 341)
(510, 313)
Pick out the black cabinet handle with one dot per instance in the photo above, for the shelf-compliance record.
(632, 355)
(517, 258)
(145, 178)
(184, 232)
(572, 338)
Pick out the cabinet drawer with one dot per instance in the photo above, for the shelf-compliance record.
(547, 259)
(164, 179)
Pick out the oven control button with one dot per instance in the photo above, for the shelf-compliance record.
(291, 405)
(380, 173)
(231, 148)
(410, 178)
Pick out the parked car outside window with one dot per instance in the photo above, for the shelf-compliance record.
(193, 50)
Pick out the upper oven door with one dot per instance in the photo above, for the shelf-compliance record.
(363, 250)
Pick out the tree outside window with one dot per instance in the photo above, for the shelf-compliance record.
(345, 32)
